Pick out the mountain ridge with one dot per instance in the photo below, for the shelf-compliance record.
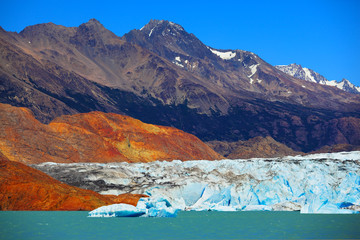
(255, 78)
(87, 68)
(310, 75)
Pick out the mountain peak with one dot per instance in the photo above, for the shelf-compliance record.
(161, 23)
(42, 27)
(93, 20)
(295, 65)
(169, 40)
(92, 33)
(310, 75)
(162, 27)
(92, 24)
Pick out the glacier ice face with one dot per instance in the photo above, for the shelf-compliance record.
(319, 183)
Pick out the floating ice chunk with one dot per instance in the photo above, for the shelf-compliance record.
(117, 210)
(158, 207)
(146, 207)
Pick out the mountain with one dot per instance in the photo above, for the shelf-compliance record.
(93, 137)
(25, 188)
(238, 75)
(163, 75)
(307, 74)
(257, 147)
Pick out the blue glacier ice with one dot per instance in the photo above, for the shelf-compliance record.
(317, 183)
(146, 207)
(117, 210)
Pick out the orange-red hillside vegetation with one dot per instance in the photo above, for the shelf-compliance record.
(25, 188)
(93, 137)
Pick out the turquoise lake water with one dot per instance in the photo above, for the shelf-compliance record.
(187, 225)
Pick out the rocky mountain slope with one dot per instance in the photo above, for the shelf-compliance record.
(93, 137)
(310, 75)
(257, 147)
(234, 71)
(25, 188)
(163, 75)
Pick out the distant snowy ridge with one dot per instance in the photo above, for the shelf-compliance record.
(319, 183)
(309, 75)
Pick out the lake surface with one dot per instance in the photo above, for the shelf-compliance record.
(187, 225)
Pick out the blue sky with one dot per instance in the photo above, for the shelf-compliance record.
(321, 35)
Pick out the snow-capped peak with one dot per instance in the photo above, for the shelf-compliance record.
(162, 27)
(309, 75)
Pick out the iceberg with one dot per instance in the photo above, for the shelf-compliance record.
(317, 183)
(146, 207)
(117, 210)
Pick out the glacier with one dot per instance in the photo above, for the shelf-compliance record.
(317, 183)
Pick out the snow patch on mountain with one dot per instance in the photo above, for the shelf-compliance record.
(177, 61)
(223, 55)
(253, 69)
(151, 31)
(308, 75)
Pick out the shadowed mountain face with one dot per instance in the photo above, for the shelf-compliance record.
(93, 137)
(163, 75)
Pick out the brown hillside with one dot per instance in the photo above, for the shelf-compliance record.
(93, 137)
(257, 147)
(338, 148)
(25, 188)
